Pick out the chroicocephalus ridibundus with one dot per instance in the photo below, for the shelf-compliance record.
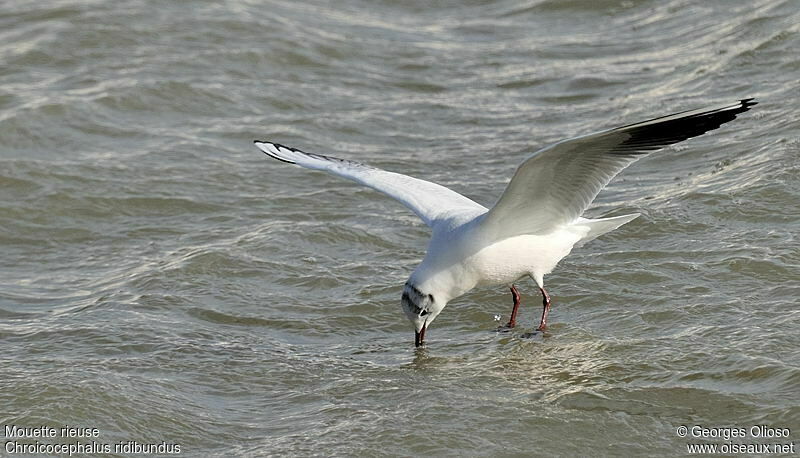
(537, 220)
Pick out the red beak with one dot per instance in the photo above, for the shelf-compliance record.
(419, 337)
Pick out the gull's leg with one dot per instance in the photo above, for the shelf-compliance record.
(545, 309)
(513, 320)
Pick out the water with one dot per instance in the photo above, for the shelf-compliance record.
(162, 281)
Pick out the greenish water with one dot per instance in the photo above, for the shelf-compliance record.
(162, 281)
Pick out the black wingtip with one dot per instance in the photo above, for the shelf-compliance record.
(650, 135)
(747, 103)
(277, 146)
(744, 105)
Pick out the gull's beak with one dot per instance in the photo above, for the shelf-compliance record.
(419, 336)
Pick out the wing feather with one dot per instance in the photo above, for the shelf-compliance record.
(555, 185)
(433, 203)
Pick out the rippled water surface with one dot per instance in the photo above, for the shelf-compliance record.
(163, 281)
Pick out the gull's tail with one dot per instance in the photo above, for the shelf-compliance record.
(598, 227)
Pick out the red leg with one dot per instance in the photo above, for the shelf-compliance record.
(513, 320)
(545, 309)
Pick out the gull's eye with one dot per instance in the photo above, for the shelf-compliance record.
(423, 313)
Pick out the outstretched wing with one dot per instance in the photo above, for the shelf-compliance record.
(431, 202)
(556, 184)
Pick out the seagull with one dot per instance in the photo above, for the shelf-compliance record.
(535, 223)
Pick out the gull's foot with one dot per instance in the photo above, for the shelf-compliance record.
(537, 334)
(506, 327)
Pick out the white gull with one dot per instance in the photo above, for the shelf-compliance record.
(535, 223)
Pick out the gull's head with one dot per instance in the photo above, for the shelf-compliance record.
(421, 308)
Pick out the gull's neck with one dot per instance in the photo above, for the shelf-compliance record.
(443, 282)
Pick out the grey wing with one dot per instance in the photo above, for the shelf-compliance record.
(433, 203)
(555, 185)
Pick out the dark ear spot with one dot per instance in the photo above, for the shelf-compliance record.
(430, 297)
